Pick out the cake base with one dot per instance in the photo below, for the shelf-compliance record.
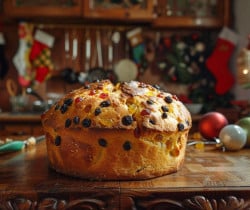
(115, 154)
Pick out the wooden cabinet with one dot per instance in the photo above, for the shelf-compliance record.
(189, 13)
(20, 124)
(124, 10)
(46, 8)
(159, 13)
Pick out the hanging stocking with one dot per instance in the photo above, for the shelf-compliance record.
(3, 61)
(40, 55)
(21, 58)
(218, 61)
(137, 44)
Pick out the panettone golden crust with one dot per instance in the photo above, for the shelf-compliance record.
(110, 132)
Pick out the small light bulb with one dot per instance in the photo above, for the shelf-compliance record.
(245, 71)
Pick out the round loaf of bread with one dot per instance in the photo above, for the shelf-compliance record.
(127, 131)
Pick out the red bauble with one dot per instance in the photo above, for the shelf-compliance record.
(211, 124)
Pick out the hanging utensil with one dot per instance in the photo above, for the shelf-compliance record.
(99, 49)
(11, 87)
(110, 51)
(87, 51)
(69, 74)
(97, 73)
(116, 37)
(66, 45)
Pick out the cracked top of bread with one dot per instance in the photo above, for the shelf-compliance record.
(126, 105)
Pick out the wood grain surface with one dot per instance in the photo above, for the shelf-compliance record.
(207, 180)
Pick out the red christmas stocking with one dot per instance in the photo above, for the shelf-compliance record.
(218, 61)
(21, 58)
(40, 55)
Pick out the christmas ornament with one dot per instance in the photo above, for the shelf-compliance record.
(21, 58)
(245, 124)
(40, 55)
(211, 124)
(233, 137)
(217, 63)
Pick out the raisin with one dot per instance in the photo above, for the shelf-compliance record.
(156, 86)
(152, 121)
(97, 111)
(150, 102)
(164, 115)
(180, 127)
(57, 106)
(86, 122)
(68, 123)
(127, 146)
(63, 108)
(164, 109)
(102, 142)
(105, 104)
(168, 99)
(68, 101)
(76, 120)
(127, 120)
(58, 140)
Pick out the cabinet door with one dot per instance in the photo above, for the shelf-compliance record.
(119, 10)
(44, 8)
(192, 13)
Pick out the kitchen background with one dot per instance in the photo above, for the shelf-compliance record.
(52, 47)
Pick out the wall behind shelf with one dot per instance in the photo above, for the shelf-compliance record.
(242, 27)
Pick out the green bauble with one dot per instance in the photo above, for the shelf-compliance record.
(245, 124)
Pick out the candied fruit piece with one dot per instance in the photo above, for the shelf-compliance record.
(145, 112)
(103, 95)
(150, 93)
(78, 99)
(132, 108)
(87, 108)
(175, 152)
(107, 122)
(137, 132)
(92, 92)
(158, 137)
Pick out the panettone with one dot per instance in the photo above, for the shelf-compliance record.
(127, 131)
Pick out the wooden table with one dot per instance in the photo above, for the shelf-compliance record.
(210, 180)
